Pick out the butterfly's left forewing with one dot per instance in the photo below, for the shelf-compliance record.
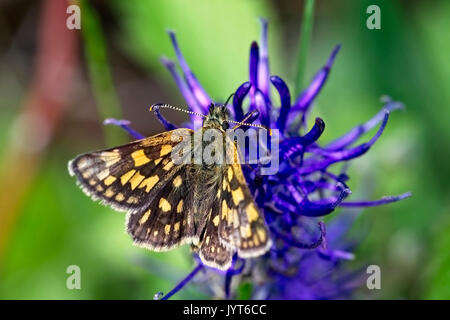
(141, 178)
(128, 177)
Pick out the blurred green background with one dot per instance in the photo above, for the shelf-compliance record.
(57, 86)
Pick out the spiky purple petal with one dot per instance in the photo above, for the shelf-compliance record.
(124, 124)
(263, 72)
(285, 98)
(238, 98)
(184, 89)
(197, 90)
(374, 203)
(183, 282)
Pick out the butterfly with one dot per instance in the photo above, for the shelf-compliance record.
(170, 203)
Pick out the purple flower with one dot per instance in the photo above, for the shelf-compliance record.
(306, 260)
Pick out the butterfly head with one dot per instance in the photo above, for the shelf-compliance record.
(217, 118)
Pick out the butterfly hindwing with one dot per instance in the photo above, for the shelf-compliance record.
(167, 221)
(125, 177)
(212, 251)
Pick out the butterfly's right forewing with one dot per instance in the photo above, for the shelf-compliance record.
(242, 225)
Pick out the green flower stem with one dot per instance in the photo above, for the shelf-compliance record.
(305, 37)
(95, 52)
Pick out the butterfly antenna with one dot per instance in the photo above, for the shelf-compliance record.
(157, 106)
(228, 100)
(243, 123)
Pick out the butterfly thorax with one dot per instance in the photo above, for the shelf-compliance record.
(216, 118)
(214, 136)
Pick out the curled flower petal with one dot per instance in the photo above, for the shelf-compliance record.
(183, 282)
(124, 124)
(312, 165)
(305, 98)
(314, 133)
(263, 72)
(254, 62)
(238, 98)
(285, 98)
(336, 254)
(351, 136)
(263, 105)
(166, 123)
(313, 209)
(258, 99)
(291, 146)
(305, 207)
(383, 200)
(184, 88)
(340, 179)
(197, 90)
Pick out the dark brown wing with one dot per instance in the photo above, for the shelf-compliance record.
(142, 179)
(241, 225)
(128, 177)
(166, 222)
(213, 252)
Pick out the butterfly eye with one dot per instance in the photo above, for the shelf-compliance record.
(225, 125)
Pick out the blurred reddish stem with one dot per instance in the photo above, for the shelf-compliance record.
(56, 59)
